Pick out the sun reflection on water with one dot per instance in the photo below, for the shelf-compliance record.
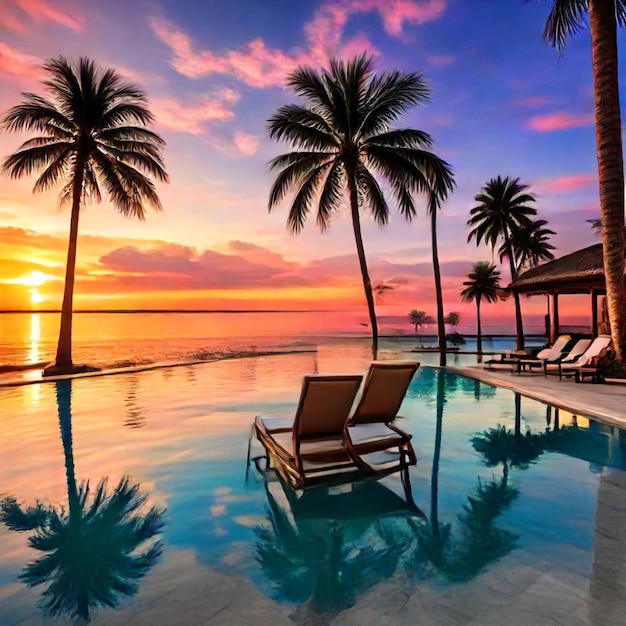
(34, 352)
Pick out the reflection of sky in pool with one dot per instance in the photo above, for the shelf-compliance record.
(489, 497)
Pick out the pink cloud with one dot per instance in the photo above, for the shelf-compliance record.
(175, 267)
(18, 64)
(557, 121)
(191, 118)
(395, 13)
(441, 60)
(563, 184)
(246, 144)
(257, 65)
(532, 101)
(15, 13)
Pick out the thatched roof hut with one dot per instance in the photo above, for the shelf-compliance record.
(579, 272)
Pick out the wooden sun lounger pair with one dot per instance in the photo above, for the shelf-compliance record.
(325, 440)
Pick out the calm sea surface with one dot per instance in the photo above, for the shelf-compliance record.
(120, 339)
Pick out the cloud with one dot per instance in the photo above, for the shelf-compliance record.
(191, 118)
(174, 267)
(19, 64)
(246, 144)
(563, 184)
(15, 14)
(558, 121)
(532, 101)
(395, 13)
(441, 60)
(258, 65)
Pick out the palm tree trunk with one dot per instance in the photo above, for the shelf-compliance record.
(367, 285)
(610, 162)
(64, 408)
(434, 478)
(64, 347)
(519, 327)
(479, 336)
(441, 326)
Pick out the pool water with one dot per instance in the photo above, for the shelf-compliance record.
(517, 512)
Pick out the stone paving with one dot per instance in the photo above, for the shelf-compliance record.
(604, 402)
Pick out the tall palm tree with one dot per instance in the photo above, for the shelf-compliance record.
(530, 244)
(345, 140)
(483, 283)
(441, 324)
(90, 550)
(566, 18)
(502, 209)
(92, 134)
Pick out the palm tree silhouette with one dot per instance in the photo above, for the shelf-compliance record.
(90, 549)
(419, 318)
(567, 17)
(346, 139)
(93, 135)
(530, 245)
(502, 210)
(483, 283)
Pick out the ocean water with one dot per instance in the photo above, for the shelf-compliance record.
(509, 526)
(115, 340)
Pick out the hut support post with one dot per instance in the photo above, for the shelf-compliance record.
(594, 313)
(554, 329)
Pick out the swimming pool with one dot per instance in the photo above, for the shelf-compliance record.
(509, 528)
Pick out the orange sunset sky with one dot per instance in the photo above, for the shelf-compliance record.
(503, 103)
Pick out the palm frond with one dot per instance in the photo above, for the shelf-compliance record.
(140, 157)
(36, 113)
(296, 167)
(372, 195)
(301, 205)
(57, 171)
(288, 125)
(401, 138)
(567, 17)
(128, 133)
(33, 159)
(331, 196)
(388, 96)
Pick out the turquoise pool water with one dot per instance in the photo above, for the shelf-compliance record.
(506, 522)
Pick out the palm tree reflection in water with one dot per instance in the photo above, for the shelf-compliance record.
(459, 556)
(328, 549)
(90, 549)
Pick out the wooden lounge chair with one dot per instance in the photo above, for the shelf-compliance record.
(311, 445)
(323, 446)
(370, 428)
(598, 346)
(566, 357)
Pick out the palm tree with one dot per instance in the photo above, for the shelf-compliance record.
(502, 209)
(90, 550)
(419, 318)
(92, 134)
(483, 283)
(441, 324)
(530, 245)
(566, 18)
(345, 139)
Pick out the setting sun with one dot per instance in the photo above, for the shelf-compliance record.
(34, 279)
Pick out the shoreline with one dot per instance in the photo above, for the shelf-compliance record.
(244, 354)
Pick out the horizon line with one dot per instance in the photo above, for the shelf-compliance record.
(13, 311)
